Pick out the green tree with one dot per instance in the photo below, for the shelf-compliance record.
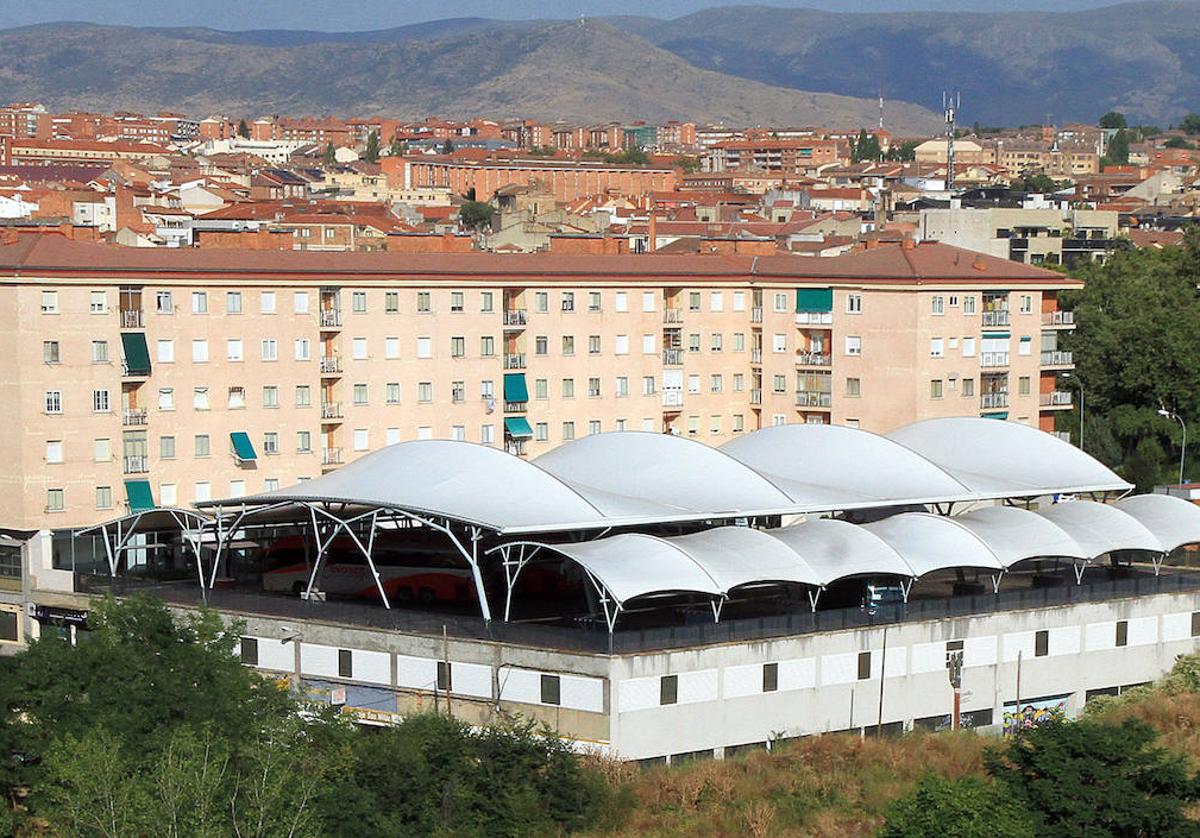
(243, 129)
(475, 214)
(1191, 124)
(905, 152)
(448, 147)
(1090, 779)
(1036, 183)
(865, 148)
(968, 807)
(91, 788)
(397, 148)
(1178, 142)
(1118, 148)
(329, 157)
(371, 155)
(1113, 119)
(688, 163)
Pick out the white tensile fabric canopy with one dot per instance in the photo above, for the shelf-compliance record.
(1101, 528)
(1173, 521)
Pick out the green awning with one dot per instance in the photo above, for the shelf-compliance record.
(517, 427)
(814, 299)
(139, 494)
(514, 387)
(137, 354)
(1003, 415)
(996, 335)
(243, 449)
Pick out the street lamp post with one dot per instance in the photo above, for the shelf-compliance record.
(1162, 411)
(1079, 384)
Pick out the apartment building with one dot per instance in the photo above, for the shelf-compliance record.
(142, 377)
(1034, 235)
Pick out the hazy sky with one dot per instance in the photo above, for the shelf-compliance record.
(345, 15)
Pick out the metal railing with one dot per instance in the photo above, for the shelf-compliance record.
(998, 317)
(756, 396)
(126, 371)
(1057, 359)
(1056, 398)
(756, 356)
(756, 314)
(807, 398)
(136, 464)
(993, 359)
(516, 447)
(1058, 318)
(331, 410)
(812, 359)
(331, 456)
(515, 317)
(331, 318)
(131, 318)
(672, 398)
(515, 407)
(673, 357)
(672, 315)
(990, 401)
(331, 364)
(814, 318)
(514, 360)
(134, 416)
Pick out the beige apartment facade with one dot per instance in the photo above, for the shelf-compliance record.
(170, 377)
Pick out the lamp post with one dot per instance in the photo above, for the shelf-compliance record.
(1073, 380)
(1162, 411)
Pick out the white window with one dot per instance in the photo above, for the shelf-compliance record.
(937, 348)
(165, 350)
(486, 301)
(102, 450)
(391, 393)
(424, 348)
(266, 302)
(648, 344)
(1026, 304)
(233, 349)
(621, 345)
(200, 398)
(391, 348)
(781, 302)
(853, 345)
(98, 303)
(237, 488)
(458, 433)
(938, 304)
(854, 303)
(424, 391)
(49, 302)
(303, 395)
(202, 491)
(270, 394)
(166, 398)
(168, 494)
(693, 384)
(303, 441)
(300, 302)
(717, 301)
(391, 436)
(968, 304)
(99, 352)
(968, 346)
(358, 349)
(541, 432)
(270, 484)
(647, 301)
(621, 301)
(270, 349)
(360, 394)
(361, 442)
(271, 442)
(163, 303)
(1025, 346)
(203, 445)
(100, 402)
(54, 451)
(779, 343)
(358, 302)
(739, 300)
(424, 432)
(199, 302)
(233, 302)
(303, 349)
(199, 351)
(55, 500)
(237, 398)
(648, 385)
(487, 434)
(622, 386)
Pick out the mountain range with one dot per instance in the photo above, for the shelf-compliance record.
(742, 65)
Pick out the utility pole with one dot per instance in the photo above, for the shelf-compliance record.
(882, 676)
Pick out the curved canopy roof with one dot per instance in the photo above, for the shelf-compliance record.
(1006, 459)
(928, 543)
(838, 550)
(735, 556)
(833, 466)
(659, 472)
(1101, 528)
(1173, 521)
(1016, 534)
(149, 520)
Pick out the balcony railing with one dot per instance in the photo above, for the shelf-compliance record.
(136, 464)
(516, 447)
(672, 398)
(812, 359)
(134, 416)
(331, 364)
(515, 317)
(125, 371)
(331, 410)
(672, 315)
(514, 361)
(814, 318)
(1057, 359)
(813, 399)
(331, 318)
(1058, 318)
(756, 356)
(515, 407)
(131, 318)
(993, 359)
(999, 317)
(1065, 436)
(673, 357)
(756, 396)
(1056, 398)
(991, 401)
(756, 314)
(331, 456)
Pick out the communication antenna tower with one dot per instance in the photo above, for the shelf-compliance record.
(950, 104)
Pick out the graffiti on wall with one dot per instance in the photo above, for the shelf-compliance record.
(1034, 713)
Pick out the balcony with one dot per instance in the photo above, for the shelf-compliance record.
(137, 464)
(756, 356)
(331, 318)
(1056, 398)
(1065, 436)
(514, 361)
(992, 401)
(131, 318)
(756, 396)
(993, 359)
(814, 318)
(998, 317)
(331, 456)
(672, 316)
(813, 399)
(331, 410)
(812, 359)
(1056, 358)
(516, 447)
(331, 365)
(672, 398)
(134, 416)
(1058, 318)
(515, 318)
(673, 357)
(756, 314)
(515, 407)
(126, 372)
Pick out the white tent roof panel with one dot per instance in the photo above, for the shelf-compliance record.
(1173, 521)
(928, 543)
(838, 550)
(1099, 528)
(1016, 534)
(735, 556)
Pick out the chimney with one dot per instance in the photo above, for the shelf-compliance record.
(652, 233)
(979, 264)
(909, 243)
